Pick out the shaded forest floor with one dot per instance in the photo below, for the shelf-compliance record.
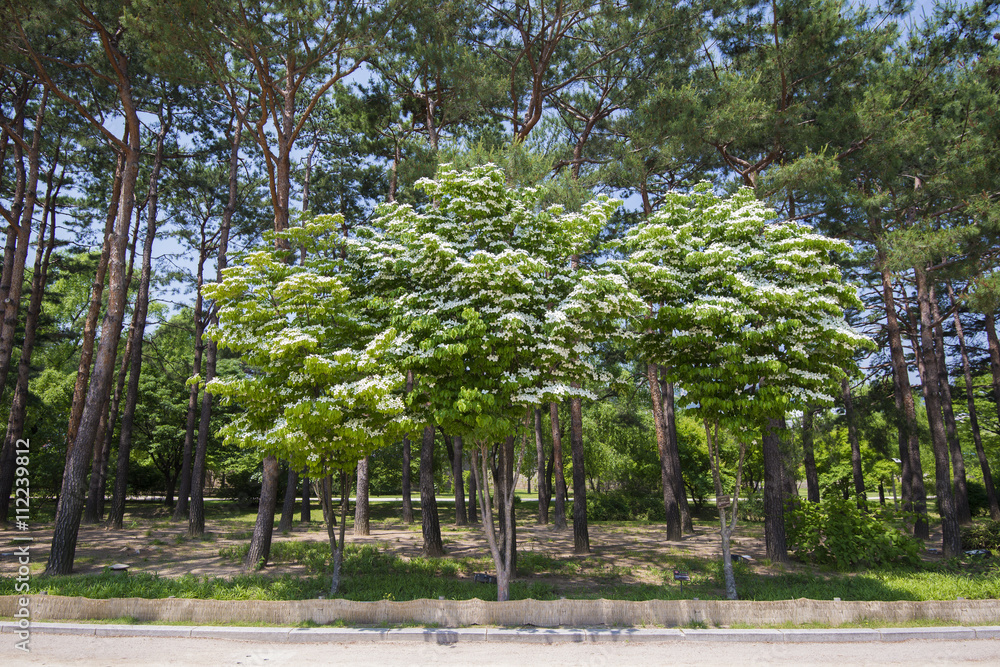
(628, 560)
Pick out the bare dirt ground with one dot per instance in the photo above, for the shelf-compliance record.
(152, 543)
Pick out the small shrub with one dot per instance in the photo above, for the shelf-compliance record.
(982, 536)
(624, 506)
(835, 532)
(751, 508)
(979, 503)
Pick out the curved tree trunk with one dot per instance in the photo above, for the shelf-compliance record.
(74, 486)
(430, 522)
(117, 515)
(260, 542)
(94, 308)
(93, 513)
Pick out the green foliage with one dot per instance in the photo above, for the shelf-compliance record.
(622, 505)
(751, 508)
(746, 313)
(979, 503)
(982, 536)
(835, 532)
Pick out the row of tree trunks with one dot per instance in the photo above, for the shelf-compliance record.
(196, 506)
(984, 464)
(951, 539)
(959, 485)
(914, 495)
(187, 455)
(94, 308)
(19, 403)
(138, 329)
(74, 483)
(93, 512)
(26, 192)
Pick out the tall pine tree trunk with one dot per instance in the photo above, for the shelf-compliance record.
(984, 464)
(19, 403)
(74, 484)
(93, 512)
(959, 485)
(94, 308)
(951, 540)
(196, 507)
(914, 495)
(187, 455)
(117, 515)
(11, 304)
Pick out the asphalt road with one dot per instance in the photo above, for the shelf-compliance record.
(53, 649)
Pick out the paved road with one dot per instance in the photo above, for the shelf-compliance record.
(52, 649)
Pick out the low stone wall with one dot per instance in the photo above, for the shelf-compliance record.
(539, 613)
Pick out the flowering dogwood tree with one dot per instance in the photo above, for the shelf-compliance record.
(319, 386)
(745, 311)
(496, 320)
